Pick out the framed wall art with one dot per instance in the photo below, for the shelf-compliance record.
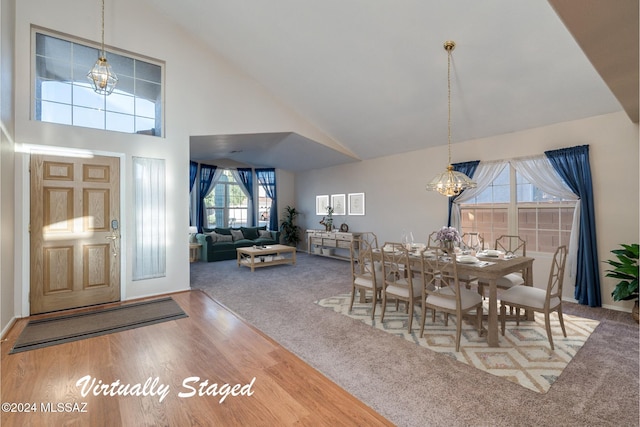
(356, 203)
(321, 204)
(338, 203)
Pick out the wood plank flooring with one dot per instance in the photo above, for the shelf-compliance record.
(212, 344)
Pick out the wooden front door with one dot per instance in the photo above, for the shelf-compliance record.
(75, 250)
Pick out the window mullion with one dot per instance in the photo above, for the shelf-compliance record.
(513, 202)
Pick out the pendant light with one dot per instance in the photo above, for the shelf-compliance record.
(101, 76)
(450, 182)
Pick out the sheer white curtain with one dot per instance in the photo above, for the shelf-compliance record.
(149, 243)
(216, 177)
(485, 174)
(539, 171)
(245, 191)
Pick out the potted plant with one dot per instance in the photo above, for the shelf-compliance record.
(290, 231)
(327, 221)
(626, 270)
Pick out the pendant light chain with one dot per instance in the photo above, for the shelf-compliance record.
(104, 55)
(101, 76)
(450, 182)
(449, 97)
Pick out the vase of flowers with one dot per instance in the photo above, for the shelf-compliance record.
(327, 220)
(448, 237)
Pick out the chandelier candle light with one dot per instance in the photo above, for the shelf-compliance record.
(101, 76)
(450, 182)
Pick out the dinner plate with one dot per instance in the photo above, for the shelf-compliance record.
(467, 259)
(493, 253)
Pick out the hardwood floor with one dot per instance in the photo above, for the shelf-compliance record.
(211, 344)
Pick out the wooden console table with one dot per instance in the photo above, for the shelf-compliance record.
(317, 240)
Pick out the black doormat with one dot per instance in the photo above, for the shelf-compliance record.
(58, 330)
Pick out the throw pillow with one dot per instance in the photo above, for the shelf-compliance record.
(236, 235)
(265, 234)
(250, 233)
(213, 236)
(224, 238)
(225, 231)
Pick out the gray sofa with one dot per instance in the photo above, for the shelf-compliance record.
(220, 243)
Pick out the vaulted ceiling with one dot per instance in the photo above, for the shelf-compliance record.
(372, 74)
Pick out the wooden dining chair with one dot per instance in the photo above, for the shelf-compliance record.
(471, 241)
(511, 245)
(444, 293)
(399, 283)
(541, 300)
(431, 239)
(366, 274)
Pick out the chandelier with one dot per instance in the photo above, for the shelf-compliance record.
(450, 182)
(101, 76)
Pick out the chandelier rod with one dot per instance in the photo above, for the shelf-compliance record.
(103, 52)
(449, 46)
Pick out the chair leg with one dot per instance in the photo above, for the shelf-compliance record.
(561, 321)
(479, 320)
(547, 324)
(458, 332)
(384, 306)
(446, 319)
(503, 314)
(410, 316)
(374, 299)
(353, 295)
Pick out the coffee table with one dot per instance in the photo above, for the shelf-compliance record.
(257, 256)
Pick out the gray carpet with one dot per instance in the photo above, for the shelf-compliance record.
(413, 386)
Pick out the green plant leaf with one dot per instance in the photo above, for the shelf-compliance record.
(625, 269)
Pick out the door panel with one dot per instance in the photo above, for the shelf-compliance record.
(75, 259)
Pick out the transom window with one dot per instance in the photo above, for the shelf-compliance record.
(64, 95)
(512, 205)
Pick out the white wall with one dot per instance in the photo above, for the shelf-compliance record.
(396, 199)
(7, 181)
(203, 95)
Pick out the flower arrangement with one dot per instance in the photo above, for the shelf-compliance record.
(448, 234)
(327, 220)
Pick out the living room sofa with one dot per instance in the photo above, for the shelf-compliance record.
(220, 244)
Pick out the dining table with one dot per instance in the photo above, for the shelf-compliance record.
(489, 268)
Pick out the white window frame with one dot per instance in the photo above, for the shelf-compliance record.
(513, 208)
(87, 43)
(225, 209)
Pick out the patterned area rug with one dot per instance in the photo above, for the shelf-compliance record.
(524, 356)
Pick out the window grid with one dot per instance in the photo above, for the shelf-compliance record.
(61, 62)
(543, 221)
(226, 203)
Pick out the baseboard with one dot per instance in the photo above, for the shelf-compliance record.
(617, 308)
(607, 306)
(7, 328)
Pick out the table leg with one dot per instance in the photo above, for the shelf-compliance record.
(529, 282)
(492, 327)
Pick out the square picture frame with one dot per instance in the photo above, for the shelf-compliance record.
(322, 202)
(356, 203)
(338, 203)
